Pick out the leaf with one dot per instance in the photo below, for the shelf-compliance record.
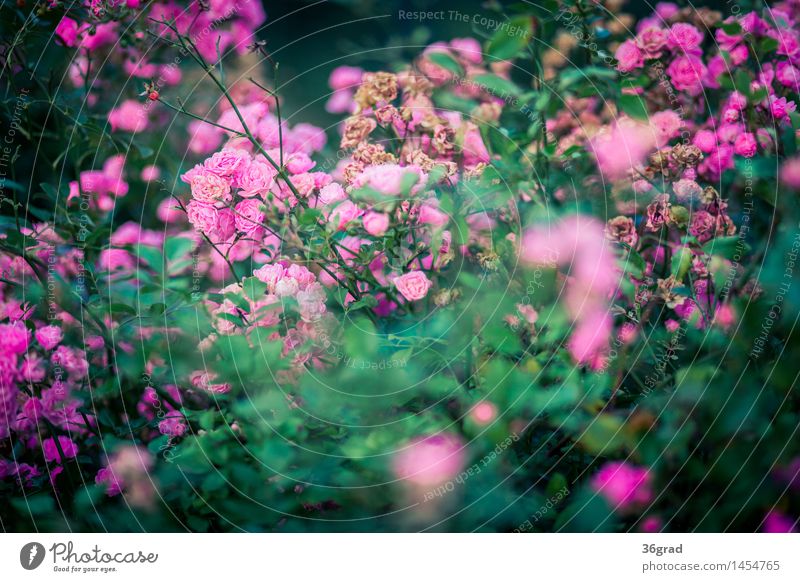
(510, 39)
(498, 86)
(254, 287)
(122, 308)
(446, 61)
(177, 247)
(633, 105)
(726, 246)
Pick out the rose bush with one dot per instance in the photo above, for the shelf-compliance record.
(560, 258)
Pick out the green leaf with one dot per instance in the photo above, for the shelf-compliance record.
(725, 246)
(510, 39)
(633, 105)
(446, 61)
(254, 288)
(497, 86)
(177, 247)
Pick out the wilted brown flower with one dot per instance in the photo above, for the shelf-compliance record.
(356, 129)
(380, 87)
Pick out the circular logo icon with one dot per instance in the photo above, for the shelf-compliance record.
(31, 555)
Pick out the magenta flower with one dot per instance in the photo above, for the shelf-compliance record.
(51, 452)
(623, 485)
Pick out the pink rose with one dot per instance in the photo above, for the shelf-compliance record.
(745, 145)
(628, 56)
(413, 285)
(249, 216)
(67, 31)
(376, 223)
(431, 460)
(205, 138)
(331, 193)
(130, 116)
(203, 217)
(257, 179)
(209, 188)
(684, 38)
(651, 41)
(686, 73)
(343, 214)
(345, 78)
(623, 485)
(228, 163)
(270, 274)
(667, 125)
(49, 336)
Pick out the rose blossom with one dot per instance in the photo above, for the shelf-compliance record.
(745, 145)
(208, 187)
(622, 229)
(249, 216)
(49, 336)
(628, 56)
(430, 460)
(684, 38)
(256, 179)
(376, 223)
(685, 72)
(623, 485)
(413, 285)
(651, 41)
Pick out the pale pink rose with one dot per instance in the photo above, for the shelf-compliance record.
(430, 461)
(376, 223)
(687, 189)
(287, 287)
(301, 274)
(209, 188)
(228, 163)
(389, 179)
(150, 173)
(257, 179)
(483, 413)
(621, 148)
(130, 116)
(667, 125)
(331, 193)
(249, 216)
(413, 285)
(203, 217)
(205, 138)
(344, 213)
(270, 274)
(430, 214)
(651, 41)
(468, 49)
(474, 150)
